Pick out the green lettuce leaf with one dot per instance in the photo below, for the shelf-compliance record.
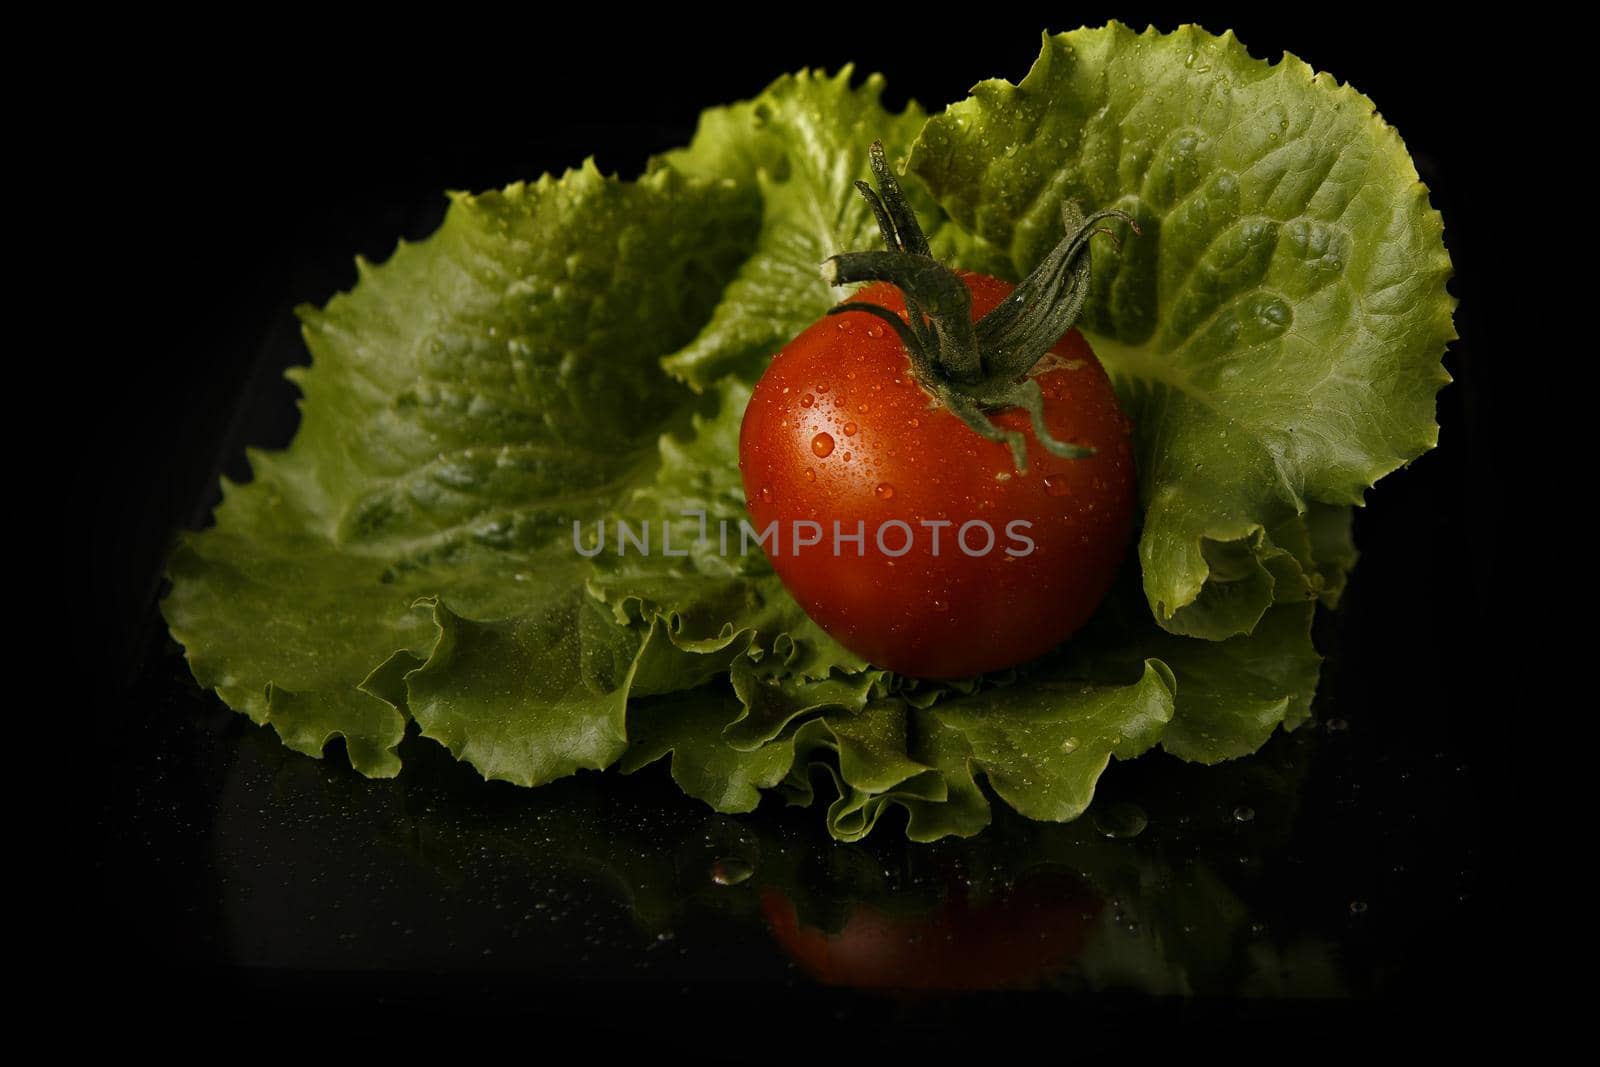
(688, 725)
(714, 588)
(1043, 740)
(1276, 331)
(467, 402)
(803, 144)
(472, 406)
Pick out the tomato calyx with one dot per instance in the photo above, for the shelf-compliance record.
(973, 368)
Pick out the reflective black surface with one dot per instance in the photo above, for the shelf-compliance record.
(1341, 863)
(1334, 863)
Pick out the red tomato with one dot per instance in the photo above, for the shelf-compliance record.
(1018, 939)
(998, 566)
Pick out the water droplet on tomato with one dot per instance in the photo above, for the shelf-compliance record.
(941, 605)
(913, 423)
(874, 330)
(884, 491)
(766, 495)
(1056, 486)
(850, 429)
(847, 457)
(822, 445)
(862, 408)
(807, 400)
(810, 476)
(823, 388)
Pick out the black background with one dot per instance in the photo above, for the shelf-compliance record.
(255, 168)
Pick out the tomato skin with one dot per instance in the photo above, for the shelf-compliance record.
(888, 456)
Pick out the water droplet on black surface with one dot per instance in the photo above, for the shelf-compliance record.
(731, 871)
(1121, 819)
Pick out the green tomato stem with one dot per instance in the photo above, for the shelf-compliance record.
(973, 368)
